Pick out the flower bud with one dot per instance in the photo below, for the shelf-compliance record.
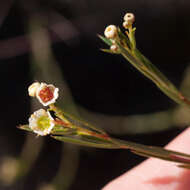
(113, 48)
(110, 31)
(33, 88)
(129, 17)
(126, 24)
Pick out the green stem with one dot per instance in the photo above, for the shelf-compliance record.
(150, 71)
(73, 121)
(152, 151)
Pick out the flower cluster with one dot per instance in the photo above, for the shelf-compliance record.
(41, 122)
(111, 31)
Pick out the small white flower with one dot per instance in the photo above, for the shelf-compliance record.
(113, 47)
(33, 88)
(129, 17)
(110, 31)
(41, 122)
(47, 94)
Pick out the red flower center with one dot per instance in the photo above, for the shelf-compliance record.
(46, 94)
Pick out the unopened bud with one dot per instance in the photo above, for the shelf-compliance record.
(126, 24)
(129, 17)
(32, 89)
(113, 48)
(110, 31)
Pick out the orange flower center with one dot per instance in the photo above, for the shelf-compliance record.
(46, 94)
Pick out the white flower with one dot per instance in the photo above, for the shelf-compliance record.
(41, 122)
(47, 94)
(129, 17)
(33, 88)
(110, 31)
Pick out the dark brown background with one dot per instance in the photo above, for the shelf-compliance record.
(98, 81)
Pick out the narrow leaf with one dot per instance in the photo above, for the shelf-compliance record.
(60, 130)
(109, 51)
(124, 38)
(107, 41)
(152, 151)
(76, 122)
(25, 127)
(85, 142)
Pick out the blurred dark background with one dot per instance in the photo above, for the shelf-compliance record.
(98, 81)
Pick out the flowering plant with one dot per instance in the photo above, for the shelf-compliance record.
(64, 127)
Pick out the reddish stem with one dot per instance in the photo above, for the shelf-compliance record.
(184, 99)
(181, 159)
(60, 122)
(104, 136)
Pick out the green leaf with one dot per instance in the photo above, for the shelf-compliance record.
(127, 47)
(132, 38)
(109, 51)
(151, 72)
(142, 150)
(25, 127)
(160, 76)
(107, 41)
(60, 130)
(124, 38)
(156, 152)
(84, 141)
(74, 121)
